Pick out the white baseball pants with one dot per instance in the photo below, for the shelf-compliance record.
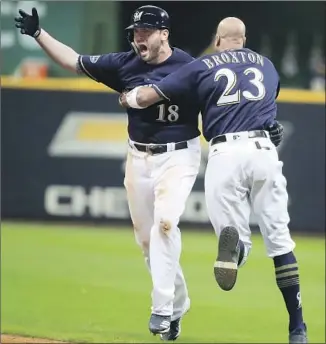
(241, 177)
(157, 189)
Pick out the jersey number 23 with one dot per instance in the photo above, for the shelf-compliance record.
(230, 96)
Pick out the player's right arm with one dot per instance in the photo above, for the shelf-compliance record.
(102, 68)
(63, 55)
(60, 53)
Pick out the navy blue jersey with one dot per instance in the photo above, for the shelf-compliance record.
(236, 90)
(160, 123)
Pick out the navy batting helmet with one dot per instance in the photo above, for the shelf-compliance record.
(148, 16)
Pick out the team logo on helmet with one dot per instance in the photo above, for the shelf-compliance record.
(137, 16)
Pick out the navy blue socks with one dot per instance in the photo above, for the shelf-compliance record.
(287, 279)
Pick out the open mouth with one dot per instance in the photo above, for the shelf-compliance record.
(142, 48)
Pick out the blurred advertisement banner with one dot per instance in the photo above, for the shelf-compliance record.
(63, 156)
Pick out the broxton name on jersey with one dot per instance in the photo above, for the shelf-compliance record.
(161, 123)
(222, 83)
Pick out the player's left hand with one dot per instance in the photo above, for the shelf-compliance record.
(276, 132)
(122, 100)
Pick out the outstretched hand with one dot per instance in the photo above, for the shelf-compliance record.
(28, 24)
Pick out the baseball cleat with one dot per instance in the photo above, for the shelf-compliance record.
(175, 327)
(159, 324)
(174, 332)
(226, 265)
(299, 336)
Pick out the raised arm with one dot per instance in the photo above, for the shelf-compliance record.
(63, 55)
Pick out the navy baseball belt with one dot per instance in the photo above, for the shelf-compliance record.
(251, 134)
(157, 148)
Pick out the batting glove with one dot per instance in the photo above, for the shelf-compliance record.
(28, 24)
(276, 132)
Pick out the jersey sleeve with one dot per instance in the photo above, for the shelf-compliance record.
(178, 84)
(103, 68)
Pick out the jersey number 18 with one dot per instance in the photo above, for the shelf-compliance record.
(171, 115)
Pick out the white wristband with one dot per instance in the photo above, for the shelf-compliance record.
(131, 98)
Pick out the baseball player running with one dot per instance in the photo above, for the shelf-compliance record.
(164, 149)
(236, 89)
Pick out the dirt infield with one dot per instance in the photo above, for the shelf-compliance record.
(16, 339)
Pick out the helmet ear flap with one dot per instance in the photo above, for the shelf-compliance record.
(135, 49)
(130, 37)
